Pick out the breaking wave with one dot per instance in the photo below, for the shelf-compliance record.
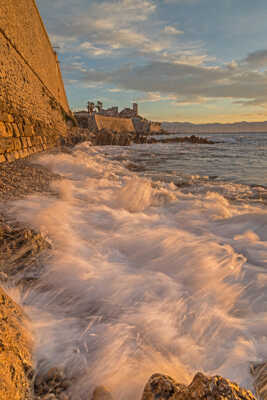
(144, 277)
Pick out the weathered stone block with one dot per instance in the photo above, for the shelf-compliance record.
(4, 131)
(16, 131)
(24, 141)
(6, 144)
(17, 143)
(16, 154)
(2, 158)
(29, 141)
(5, 117)
(9, 129)
(39, 130)
(26, 152)
(20, 128)
(10, 157)
(28, 130)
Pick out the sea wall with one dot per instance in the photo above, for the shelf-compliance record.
(33, 104)
(120, 125)
(140, 125)
(155, 127)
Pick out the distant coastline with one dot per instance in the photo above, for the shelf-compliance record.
(237, 127)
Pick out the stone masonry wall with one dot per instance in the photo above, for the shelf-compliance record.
(114, 124)
(33, 103)
(19, 137)
(154, 127)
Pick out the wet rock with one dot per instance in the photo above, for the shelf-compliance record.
(63, 396)
(49, 396)
(105, 137)
(15, 352)
(76, 135)
(101, 393)
(3, 277)
(19, 248)
(186, 139)
(163, 387)
(52, 383)
(259, 373)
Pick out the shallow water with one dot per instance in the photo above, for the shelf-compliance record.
(148, 275)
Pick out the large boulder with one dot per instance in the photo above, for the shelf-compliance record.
(163, 387)
(15, 352)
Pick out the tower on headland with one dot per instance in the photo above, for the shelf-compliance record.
(135, 109)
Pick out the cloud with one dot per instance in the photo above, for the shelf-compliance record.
(92, 50)
(153, 97)
(257, 58)
(107, 16)
(181, 1)
(187, 83)
(171, 30)
(123, 28)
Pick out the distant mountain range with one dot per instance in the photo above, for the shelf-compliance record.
(237, 127)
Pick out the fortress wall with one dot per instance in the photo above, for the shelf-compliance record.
(33, 103)
(140, 125)
(22, 24)
(120, 125)
(154, 127)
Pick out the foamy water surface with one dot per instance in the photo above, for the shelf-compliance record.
(145, 276)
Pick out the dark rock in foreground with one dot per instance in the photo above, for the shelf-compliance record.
(259, 373)
(163, 387)
(103, 137)
(52, 385)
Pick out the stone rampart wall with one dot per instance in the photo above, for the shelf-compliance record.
(120, 125)
(154, 127)
(21, 23)
(20, 137)
(33, 103)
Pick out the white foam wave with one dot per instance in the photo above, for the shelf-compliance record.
(144, 278)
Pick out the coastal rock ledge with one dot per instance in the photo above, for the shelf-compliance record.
(163, 387)
(16, 364)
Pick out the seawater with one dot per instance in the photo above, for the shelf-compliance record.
(158, 263)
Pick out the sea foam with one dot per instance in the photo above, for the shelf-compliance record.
(144, 278)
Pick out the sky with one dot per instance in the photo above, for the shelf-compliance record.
(181, 60)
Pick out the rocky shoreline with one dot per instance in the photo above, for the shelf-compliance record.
(21, 263)
(112, 138)
(185, 139)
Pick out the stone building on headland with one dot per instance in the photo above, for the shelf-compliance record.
(33, 104)
(127, 120)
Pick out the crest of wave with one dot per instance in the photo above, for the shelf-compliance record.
(143, 279)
